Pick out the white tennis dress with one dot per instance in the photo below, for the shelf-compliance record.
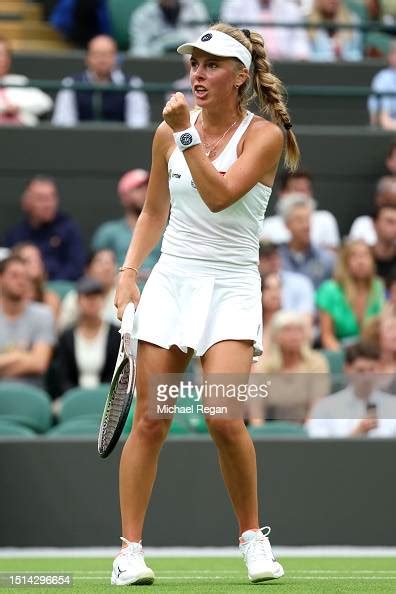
(206, 286)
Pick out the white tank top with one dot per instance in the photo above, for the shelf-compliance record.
(230, 236)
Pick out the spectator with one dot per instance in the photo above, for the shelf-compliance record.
(81, 20)
(87, 352)
(360, 410)
(331, 43)
(324, 228)
(297, 292)
(364, 227)
(271, 292)
(293, 366)
(37, 274)
(355, 295)
(52, 231)
(160, 26)
(282, 43)
(101, 267)
(116, 235)
(382, 109)
(390, 160)
(19, 104)
(381, 332)
(384, 249)
(131, 107)
(299, 254)
(26, 328)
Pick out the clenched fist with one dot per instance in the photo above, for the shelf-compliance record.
(176, 113)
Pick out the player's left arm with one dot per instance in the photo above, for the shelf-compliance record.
(258, 161)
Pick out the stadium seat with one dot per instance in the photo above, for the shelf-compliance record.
(60, 287)
(198, 424)
(10, 429)
(25, 405)
(83, 402)
(120, 14)
(335, 360)
(213, 7)
(82, 426)
(179, 427)
(272, 428)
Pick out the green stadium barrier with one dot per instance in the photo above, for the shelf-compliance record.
(120, 15)
(25, 405)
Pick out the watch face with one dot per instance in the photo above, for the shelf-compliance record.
(186, 139)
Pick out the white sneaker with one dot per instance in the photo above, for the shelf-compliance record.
(129, 566)
(259, 558)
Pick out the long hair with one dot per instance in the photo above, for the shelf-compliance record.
(268, 89)
(343, 277)
(279, 321)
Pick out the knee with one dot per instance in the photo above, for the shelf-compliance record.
(226, 431)
(151, 430)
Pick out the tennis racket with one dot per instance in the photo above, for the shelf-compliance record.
(122, 387)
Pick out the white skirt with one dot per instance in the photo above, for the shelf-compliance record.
(195, 304)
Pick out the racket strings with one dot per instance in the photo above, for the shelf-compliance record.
(116, 405)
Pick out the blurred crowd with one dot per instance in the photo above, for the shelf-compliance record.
(157, 27)
(329, 303)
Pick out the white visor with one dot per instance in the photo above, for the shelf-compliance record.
(219, 44)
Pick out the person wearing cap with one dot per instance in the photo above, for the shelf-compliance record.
(211, 179)
(116, 235)
(87, 351)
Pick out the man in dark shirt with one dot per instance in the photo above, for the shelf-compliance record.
(56, 235)
(384, 249)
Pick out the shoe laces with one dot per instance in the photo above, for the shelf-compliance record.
(133, 550)
(259, 547)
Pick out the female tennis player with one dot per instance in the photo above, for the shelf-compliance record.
(213, 168)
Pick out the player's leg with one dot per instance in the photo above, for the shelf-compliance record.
(138, 465)
(238, 462)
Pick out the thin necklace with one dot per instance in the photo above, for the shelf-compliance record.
(210, 149)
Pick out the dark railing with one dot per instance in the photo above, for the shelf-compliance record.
(292, 90)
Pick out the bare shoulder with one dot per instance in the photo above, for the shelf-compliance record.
(266, 133)
(163, 142)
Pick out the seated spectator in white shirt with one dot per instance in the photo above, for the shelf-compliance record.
(363, 227)
(282, 43)
(26, 328)
(131, 107)
(87, 352)
(324, 228)
(361, 409)
(382, 109)
(19, 104)
(160, 26)
(330, 43)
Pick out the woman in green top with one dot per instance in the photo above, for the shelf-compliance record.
(351, 298)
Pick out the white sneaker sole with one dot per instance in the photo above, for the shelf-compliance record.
(140, 580)
(277, 573)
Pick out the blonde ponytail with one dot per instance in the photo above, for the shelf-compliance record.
(266, 86)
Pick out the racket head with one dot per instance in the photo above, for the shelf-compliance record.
(117, 406)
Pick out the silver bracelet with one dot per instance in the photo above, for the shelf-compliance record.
(187, 138)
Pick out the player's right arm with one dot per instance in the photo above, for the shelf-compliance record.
(151, 222)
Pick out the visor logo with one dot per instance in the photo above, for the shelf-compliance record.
(186, 139)
(206, 37)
